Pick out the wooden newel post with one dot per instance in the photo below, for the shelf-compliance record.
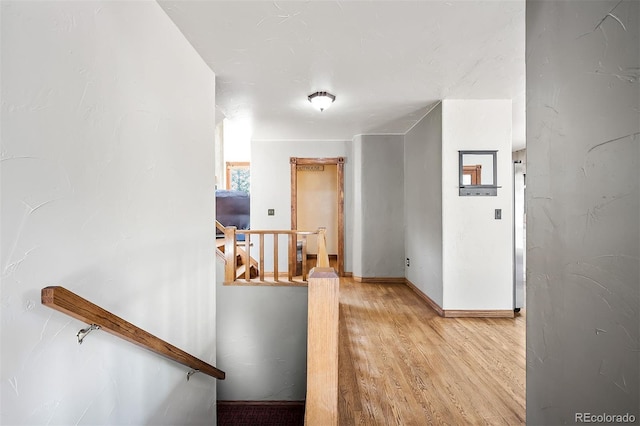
(322, 348)
(323, 256)
(230, 254)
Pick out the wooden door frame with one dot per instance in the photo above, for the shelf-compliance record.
(475, 172)
(339, 162)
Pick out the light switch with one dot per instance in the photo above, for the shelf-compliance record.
(498, 213)
(271, 212)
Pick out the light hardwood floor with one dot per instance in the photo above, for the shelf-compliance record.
(402, 364)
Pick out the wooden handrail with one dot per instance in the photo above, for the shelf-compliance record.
(65, 301)
(274, 231)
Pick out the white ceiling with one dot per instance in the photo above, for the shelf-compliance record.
(387, 62)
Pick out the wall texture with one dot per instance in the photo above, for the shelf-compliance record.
(262, 342)
(356, 148)
(423, 204)
(107, 189)
(583, 236)
(380, 213)
(477, 249)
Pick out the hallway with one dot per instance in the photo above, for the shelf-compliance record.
(402, 364)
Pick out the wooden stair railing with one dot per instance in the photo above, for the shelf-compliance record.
(219, 253)
(243, 260)
(65, 301)
(237, 253)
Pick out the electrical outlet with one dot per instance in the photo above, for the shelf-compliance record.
(271, 212)
(408, 262)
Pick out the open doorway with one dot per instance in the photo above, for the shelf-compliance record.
(317, 199)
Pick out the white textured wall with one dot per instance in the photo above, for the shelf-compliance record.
(423, 204)
(262, 341)
(583, 210)
(357, 205)
(107, 189)
(237, 140)
(477, 249)
(271, 188)
(381, 206)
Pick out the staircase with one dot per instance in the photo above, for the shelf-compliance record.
(323, 284)
(241, 260)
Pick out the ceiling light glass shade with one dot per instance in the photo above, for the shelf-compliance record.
(321, 100)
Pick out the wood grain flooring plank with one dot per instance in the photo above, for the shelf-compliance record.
(400, 363)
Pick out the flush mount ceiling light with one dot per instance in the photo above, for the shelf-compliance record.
(321, 100)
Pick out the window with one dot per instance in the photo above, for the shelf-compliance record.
(238, 176)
